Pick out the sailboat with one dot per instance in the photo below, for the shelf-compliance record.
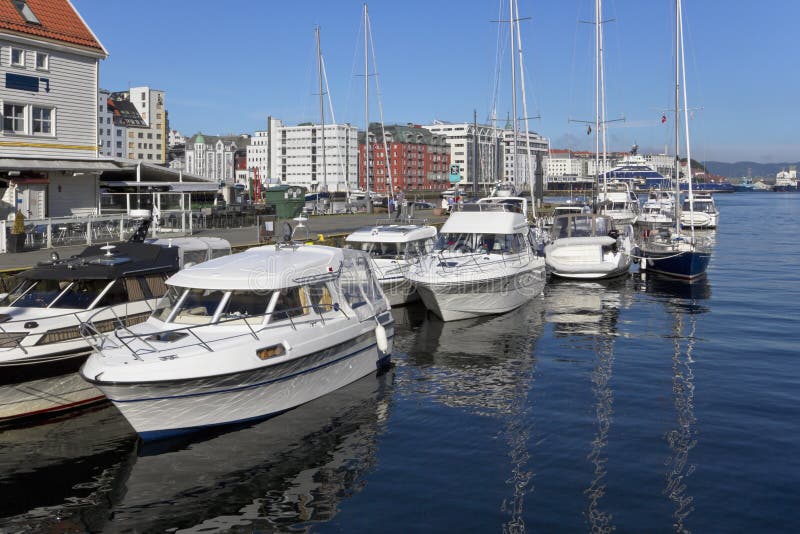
(673, 252)
(592, 245)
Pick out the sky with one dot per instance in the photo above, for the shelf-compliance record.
(227, 65)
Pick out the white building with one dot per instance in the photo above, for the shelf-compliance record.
(174, 137)
(561, 163)
(111, 131)
(295, 155)
(489, 152)
(147, 142)
(213, 157)
(49, 142)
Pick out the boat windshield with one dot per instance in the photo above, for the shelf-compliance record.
(586, 226)
(78, 294)
(192, 306)
(703, 206)
(393, 251)
(482, 243)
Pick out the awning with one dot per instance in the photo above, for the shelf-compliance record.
(182, 187)
(66, 165)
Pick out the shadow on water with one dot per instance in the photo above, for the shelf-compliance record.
(282, 474)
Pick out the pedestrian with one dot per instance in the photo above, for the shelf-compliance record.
(399, 200)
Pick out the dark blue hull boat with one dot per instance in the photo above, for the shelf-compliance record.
(688, 264)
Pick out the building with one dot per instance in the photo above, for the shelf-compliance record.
(148, 140)
(306, 155)
(488, 152)
(213, 157)
(419, 159)
(174, 138)
(49, 163)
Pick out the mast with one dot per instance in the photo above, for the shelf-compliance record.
(524, 111)
(677, 117)
(513, 87)
(686, 125)
(366, 112)
(321, 111)
(476, 153)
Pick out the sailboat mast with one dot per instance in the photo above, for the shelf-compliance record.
(677, 117)
(602, 84)
(321, 110)
(524, 109)
(513, 86)
(597, 10)
(366, 112)
(686, 125)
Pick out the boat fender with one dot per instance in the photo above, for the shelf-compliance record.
(380, 337)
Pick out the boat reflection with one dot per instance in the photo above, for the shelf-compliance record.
(587, 308)
(61, 472)
(670, 288)
(276, 475)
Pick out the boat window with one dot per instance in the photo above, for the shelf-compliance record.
(455, 242)
(601, 226)
(247, 305)
(194, 256)
(80, 294)
(320, 296)
(115, 295)
(289, 304)
(378, 250)
(34, 293)
(167, 303)
(155, 284)
(198, 306)
(358, 286)
(219, 252)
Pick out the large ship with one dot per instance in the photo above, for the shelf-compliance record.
(786, 180)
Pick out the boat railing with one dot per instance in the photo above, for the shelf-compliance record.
(472, 263)
(102, 340)
(400, 221)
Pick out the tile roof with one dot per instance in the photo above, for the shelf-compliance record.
(59, 22)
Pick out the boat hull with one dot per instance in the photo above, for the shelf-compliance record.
(161, 409)
(453, 301)
(687, 265)
(399, 290)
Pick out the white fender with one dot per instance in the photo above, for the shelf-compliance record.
(380, 337)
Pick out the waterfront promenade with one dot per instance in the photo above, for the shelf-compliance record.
(327, 225)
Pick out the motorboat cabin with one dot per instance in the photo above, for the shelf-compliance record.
(700, 212)
(589, 246)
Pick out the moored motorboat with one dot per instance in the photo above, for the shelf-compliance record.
(393, 247)
(41, 348)
(588, 246)
(700, 211)
(244, 338)
(618, 201)
(485, 262)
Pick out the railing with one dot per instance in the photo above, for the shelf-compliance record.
(100, 340)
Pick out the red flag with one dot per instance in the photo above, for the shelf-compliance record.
(663, 119)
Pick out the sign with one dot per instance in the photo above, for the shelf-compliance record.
(455, 174)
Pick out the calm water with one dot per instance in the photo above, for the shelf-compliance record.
(638, 406)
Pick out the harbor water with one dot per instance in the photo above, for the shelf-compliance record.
(635, 405)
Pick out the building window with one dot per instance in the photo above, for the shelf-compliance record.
(141, 135)
(14, 118)
(42, 61)
(119, 133)
(18, 57)
(143, 96)
(43, 120)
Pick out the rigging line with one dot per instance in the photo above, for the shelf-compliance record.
(356, 49)
(339, 165)
(498, 67)
(686, 118)
(524, 111)
(380, 110)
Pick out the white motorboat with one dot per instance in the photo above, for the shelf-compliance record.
(393, 248)
(658, 209)
(588, 246)
(41, 348)
(700, 211)
(245, 337)
(485, 262)
(618, 201)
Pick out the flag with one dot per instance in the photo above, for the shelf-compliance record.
(663, 119)
(589, 130)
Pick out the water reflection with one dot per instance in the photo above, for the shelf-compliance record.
(665, 288)
(63, 471)
(279, 474)
(486, 366)
(591, 311)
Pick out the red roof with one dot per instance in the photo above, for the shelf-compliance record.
(59, 22)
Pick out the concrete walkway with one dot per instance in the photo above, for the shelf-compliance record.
(327, 225)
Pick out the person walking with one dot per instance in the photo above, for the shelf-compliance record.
(399, 201)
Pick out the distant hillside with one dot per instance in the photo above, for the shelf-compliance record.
(741, 168)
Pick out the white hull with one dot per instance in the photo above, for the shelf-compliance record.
(162, 408)
(399, 291)
(699, 219)
(584, 258)
(462, 300)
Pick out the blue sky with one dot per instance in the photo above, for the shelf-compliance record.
(226, 66)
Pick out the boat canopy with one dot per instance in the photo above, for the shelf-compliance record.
(392, 233)
(265, 268)
(496, 222)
